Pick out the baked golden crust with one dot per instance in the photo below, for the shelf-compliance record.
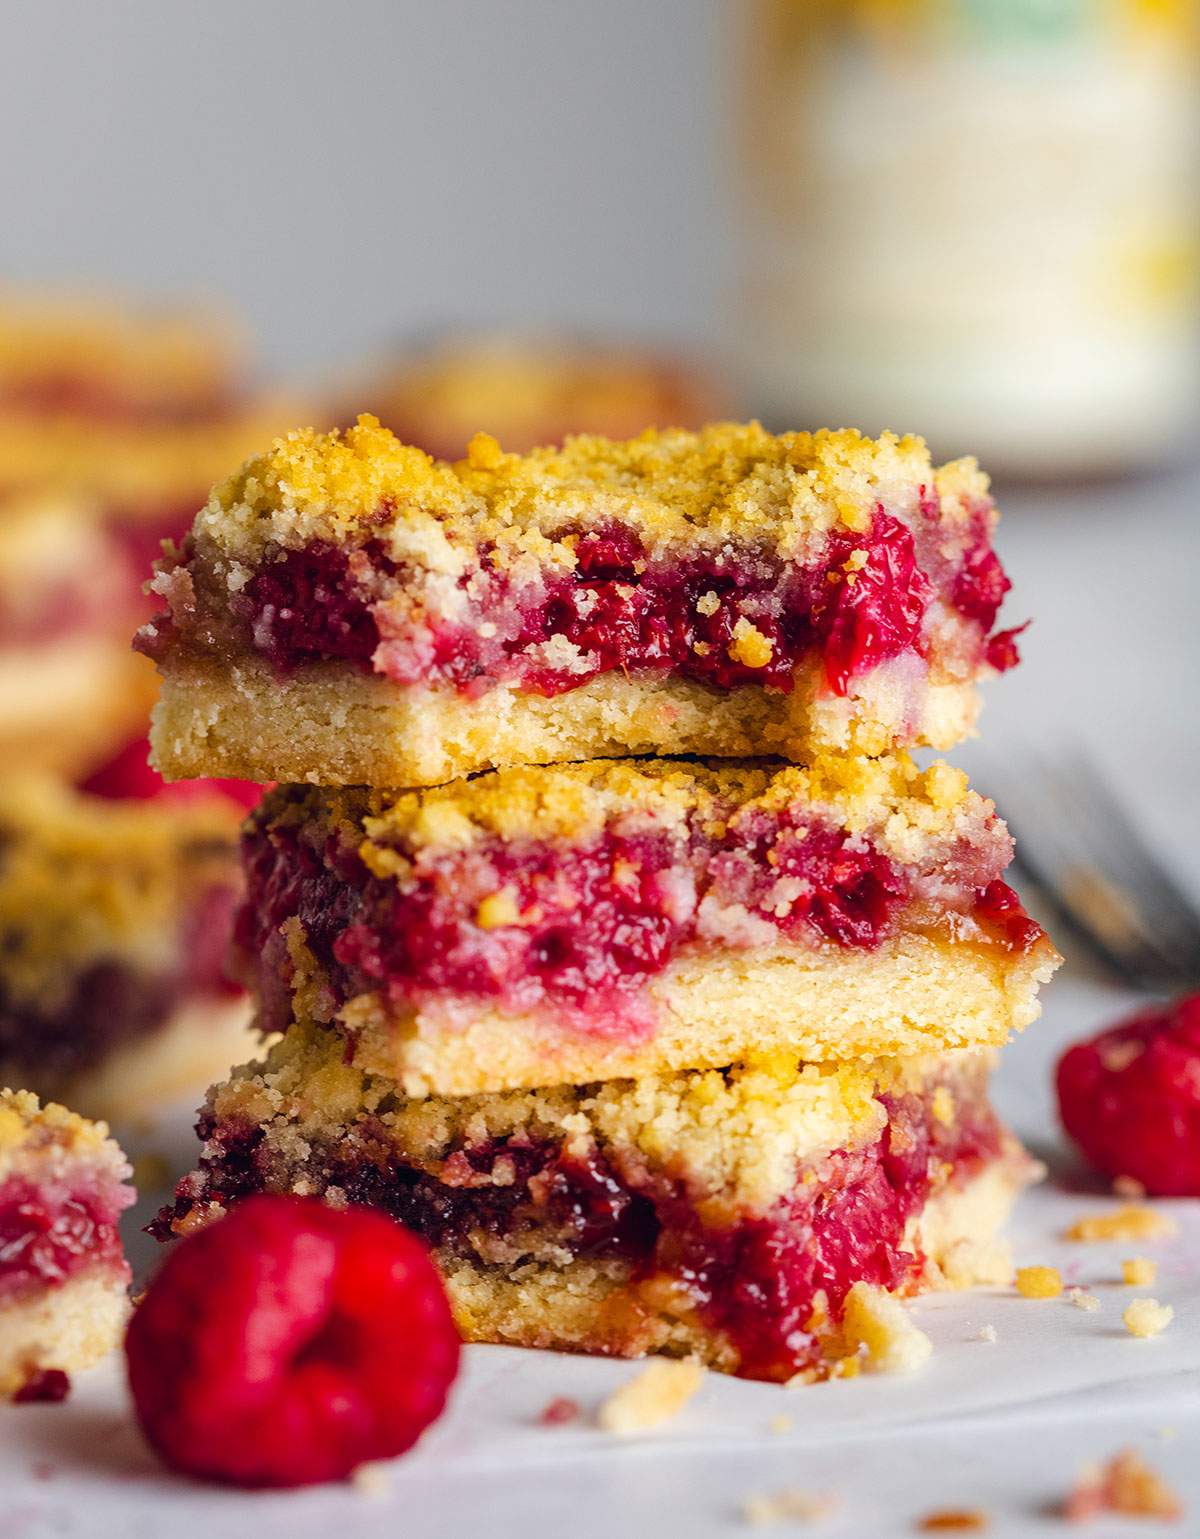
(36, 1136)
(327, 725)
(912, 995)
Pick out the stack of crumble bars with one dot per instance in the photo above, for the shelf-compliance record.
(663, 996)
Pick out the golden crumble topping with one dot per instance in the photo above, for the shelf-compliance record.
(901, 806)
(727, 482)
(31, 1131)
(736, 1135)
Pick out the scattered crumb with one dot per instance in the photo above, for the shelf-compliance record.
(559, 1411)
(780, 1424)
(151, 1173)
(1147, 1317)
(1129, 1222)
(42, 1469)
(1128, 1186)
(988, 1333)
(1082, 1299)
(371, 1479)
(954, 1520)
(1126, 1484)
(1168, 1434)
(784, 1506)
(1139, 1272)
(846, 1367)
(1039, 1282)
(878, 1323)
(652, 1397)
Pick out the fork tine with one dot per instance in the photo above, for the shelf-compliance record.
(1172, 920)
(1081, 849)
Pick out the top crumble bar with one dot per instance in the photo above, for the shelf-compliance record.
(348, 610)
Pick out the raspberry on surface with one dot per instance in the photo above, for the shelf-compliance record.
(289, 1343)
(1130, 1098)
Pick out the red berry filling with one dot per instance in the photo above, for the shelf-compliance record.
(129, 776)
(756, 1279)
(1130, 1098)
(46, 1386)
(865, 601)
(289, 1344)
(49, 1231)
(580, 929)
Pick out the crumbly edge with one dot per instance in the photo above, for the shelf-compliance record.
(901, 808)
(330, 725)
(733, 1137)
(50, 1139)
(86, 879)
(913, 995)
(727, 482)
(200, 1040)
(69, 1327)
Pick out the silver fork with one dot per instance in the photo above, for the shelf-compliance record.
(1079, 847)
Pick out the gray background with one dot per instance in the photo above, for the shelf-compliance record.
(344, 172)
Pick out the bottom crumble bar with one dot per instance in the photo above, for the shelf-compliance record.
(719, 1214)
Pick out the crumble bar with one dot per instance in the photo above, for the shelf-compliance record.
(576, 922)
(63, 1273)
(723, 1215)
(347, 610)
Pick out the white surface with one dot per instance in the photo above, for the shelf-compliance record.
(1112, 660)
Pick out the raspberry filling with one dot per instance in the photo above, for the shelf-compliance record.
(579, 929)
(51, 1231)
(756, 1279)
(742, 615)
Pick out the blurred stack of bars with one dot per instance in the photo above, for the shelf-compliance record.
(117, 891)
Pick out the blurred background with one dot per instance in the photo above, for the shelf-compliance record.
(974, 219)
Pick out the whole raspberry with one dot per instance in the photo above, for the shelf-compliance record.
(1130, 1098)
(288, 1343)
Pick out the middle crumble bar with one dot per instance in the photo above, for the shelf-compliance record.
(620, 918)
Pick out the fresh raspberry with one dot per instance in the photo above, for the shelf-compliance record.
(1130, 1098)
(129, 776)
(290, 1342)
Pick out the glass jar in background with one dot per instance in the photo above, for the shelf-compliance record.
(977, 219)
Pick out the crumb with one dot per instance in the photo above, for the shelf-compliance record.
(371, 1479)
(1126, 1484)
(784, 1506)
(954, 1520)
(846, 1367)
(654, 1396)
(559, 1411)
(1147, 1317)
(780, 1424)
(1139, 1272)
(1128, 1186)
(988, 1333)
(1082, 1299)
(1039, 1282)
(151, 1173)
(42, 1469)
(1168, 1434)
(878, 1323)
(1125, 1223)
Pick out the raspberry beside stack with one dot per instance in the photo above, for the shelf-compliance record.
(673, 1054)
